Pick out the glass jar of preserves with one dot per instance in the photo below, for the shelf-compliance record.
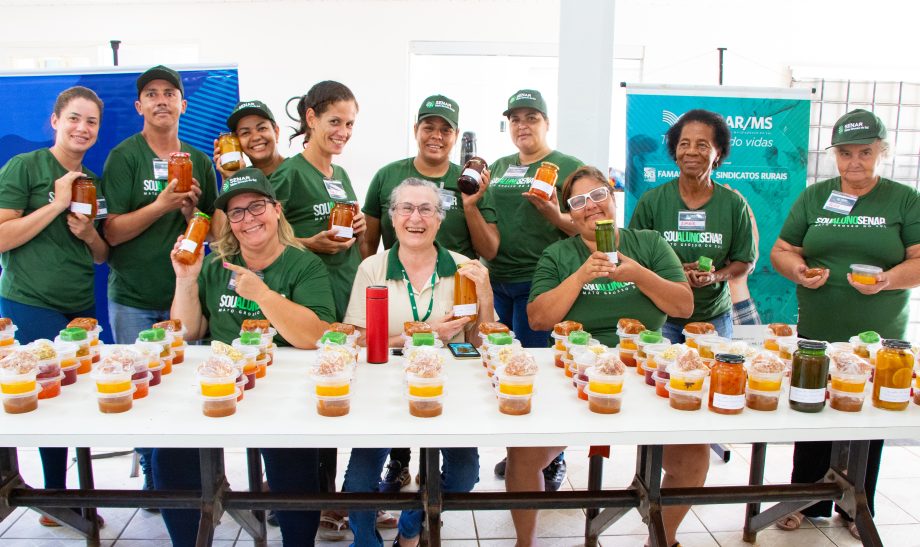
(180, 168)
(605, 239)
(726, 384)
(231, 152)
(544, 182)
(894, 369)
(808, 385)
(340, 219)
(193, 244)
(465, 301)
(471, 177)
(83, 197)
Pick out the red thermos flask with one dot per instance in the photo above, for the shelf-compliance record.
(378, 324)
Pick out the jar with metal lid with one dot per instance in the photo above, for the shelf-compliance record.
(471, 176)
(193, 243)
(340, 220)
(894, 369)
(726, 384)
(83, 197)
(231, 152)
(180, 168)
(544, 181)
(808, 385)
(465, 301)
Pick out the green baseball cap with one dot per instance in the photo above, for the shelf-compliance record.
(247, 108)
(248, 179)
(160, 72)
(858, 127)
(441, 106)
(526, 98)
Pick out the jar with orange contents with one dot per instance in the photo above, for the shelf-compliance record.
(180, 168)
(544, 181)
(465, 299)
(231, 152)
(894, 369)
(193, 244)
(83, 197)
(340, 221)
(726, 384)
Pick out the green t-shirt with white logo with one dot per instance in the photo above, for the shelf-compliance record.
(141, 274)
(308, 197)
(720, 229)
(603, 302)
(878, 229)
(524, 232)
(54, 269)
(296, 275)
(453, 234)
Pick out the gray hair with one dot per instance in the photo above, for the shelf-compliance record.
(417, 183)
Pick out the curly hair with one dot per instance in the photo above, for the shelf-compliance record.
(720, 130)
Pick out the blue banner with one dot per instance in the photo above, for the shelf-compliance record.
(25, 123)
(767, 163)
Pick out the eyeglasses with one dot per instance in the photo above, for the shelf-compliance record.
(405, 209)
(255, 209)
(597, 195)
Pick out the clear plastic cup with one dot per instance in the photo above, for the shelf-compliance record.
(142, 385)
(156, 373)
(510, 384)
(8, 335)
(333, 407)
(605, 384)
(49, 368)
(628, 341)
(425, 407)
(112, 383)
(604, 403)
(680, 399)
(19, 403)
(765, 381)
(581, 382)
(628, 356)
(787, 347)
(220, 386)
(420, 386)
(569, 367)
(179, 351)
(707, 344)
(849, 383)
(691, 380)
(262, 367)
(865, 273)
(756, 399)
(240, 387)
(331, 385)
(219, 407)
(514, 405)
(250, 355)
(9, 348)
(50, 387)
(115, 403)
(846, 401)
(661, 385)
(690, 339)
(15, 384)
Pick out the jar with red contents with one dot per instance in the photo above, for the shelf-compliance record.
(726, 384)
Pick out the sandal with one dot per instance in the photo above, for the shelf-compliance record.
(386, 520)
(49, 522)
(790, 522)
(332, 527)
(854, 531)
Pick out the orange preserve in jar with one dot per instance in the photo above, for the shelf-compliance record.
(544, 182)
(231, 153)
(726, 384)
(894, 368)
(180, 168)
(464, 296)
(343, 214)
(195, 234)
(83, 197)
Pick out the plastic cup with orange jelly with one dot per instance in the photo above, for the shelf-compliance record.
(50, 387)
(178, 345)
(164, 340)
(79, 337)
(217, 385)
(628, 356)
(331, 385)
(95, 343)
(142, 385)
(661, 384)
(510, 384)
(865, 274)
(686, 380)
(8, 335)
(422, 386)
(15, 383)
(117, 381)
(609, 384)
(706, 345)
(559, 349)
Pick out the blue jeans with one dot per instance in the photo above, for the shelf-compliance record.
(674, 331)
(32, 323)
(126, 321)
(510, 301)
(289, 471)
(460, 472)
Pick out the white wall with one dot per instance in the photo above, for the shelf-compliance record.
(284, 47)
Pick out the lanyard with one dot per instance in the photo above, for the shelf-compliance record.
(412, 295)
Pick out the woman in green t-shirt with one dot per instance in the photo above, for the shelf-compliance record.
(856, 218)
(575, 281)
(37, 229)
(701, 220)
(255, 254)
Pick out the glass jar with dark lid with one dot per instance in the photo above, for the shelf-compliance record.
(894, 369)
(808, 385)
(726, 384)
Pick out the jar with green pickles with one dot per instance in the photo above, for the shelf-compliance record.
(808, 385)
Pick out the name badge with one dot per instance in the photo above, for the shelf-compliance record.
(448, 199)
(101, 209)
(160, 169)
(693, 221)
(515, 171)
(335, 189)
(838, 202)
(233, 275)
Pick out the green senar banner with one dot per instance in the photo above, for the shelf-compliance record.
(767, 163)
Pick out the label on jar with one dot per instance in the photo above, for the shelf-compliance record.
(81, 208)
(894, 395)
(188, 245)
(542, 187)
(230, 157)
(728, 402)
(473, 174)
(613, 257)
(346, 232)
(463, 310)
(802, 395)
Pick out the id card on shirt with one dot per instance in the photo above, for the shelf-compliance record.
(515, 171)
(102, 210)
(448, 199)
(233, 276)
(839, 202)
(335, 189)
(691, 221)
(160, 169)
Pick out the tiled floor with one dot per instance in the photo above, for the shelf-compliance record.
(897, 507)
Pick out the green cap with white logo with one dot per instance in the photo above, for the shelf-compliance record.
(441, 106)
(248, 179)
(160, 72)
(247, 108)
(858, 127)
(526, 98)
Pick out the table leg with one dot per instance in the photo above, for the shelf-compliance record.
(432, 496)
(856, 476)
(755, 478)
(86, 482)
(595, 482)
(649, 483)
(253, 522)
(9, 479)
(722, 452)
(213, 485)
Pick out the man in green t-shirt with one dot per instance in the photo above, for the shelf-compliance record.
(146, 214)
(469, 227)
